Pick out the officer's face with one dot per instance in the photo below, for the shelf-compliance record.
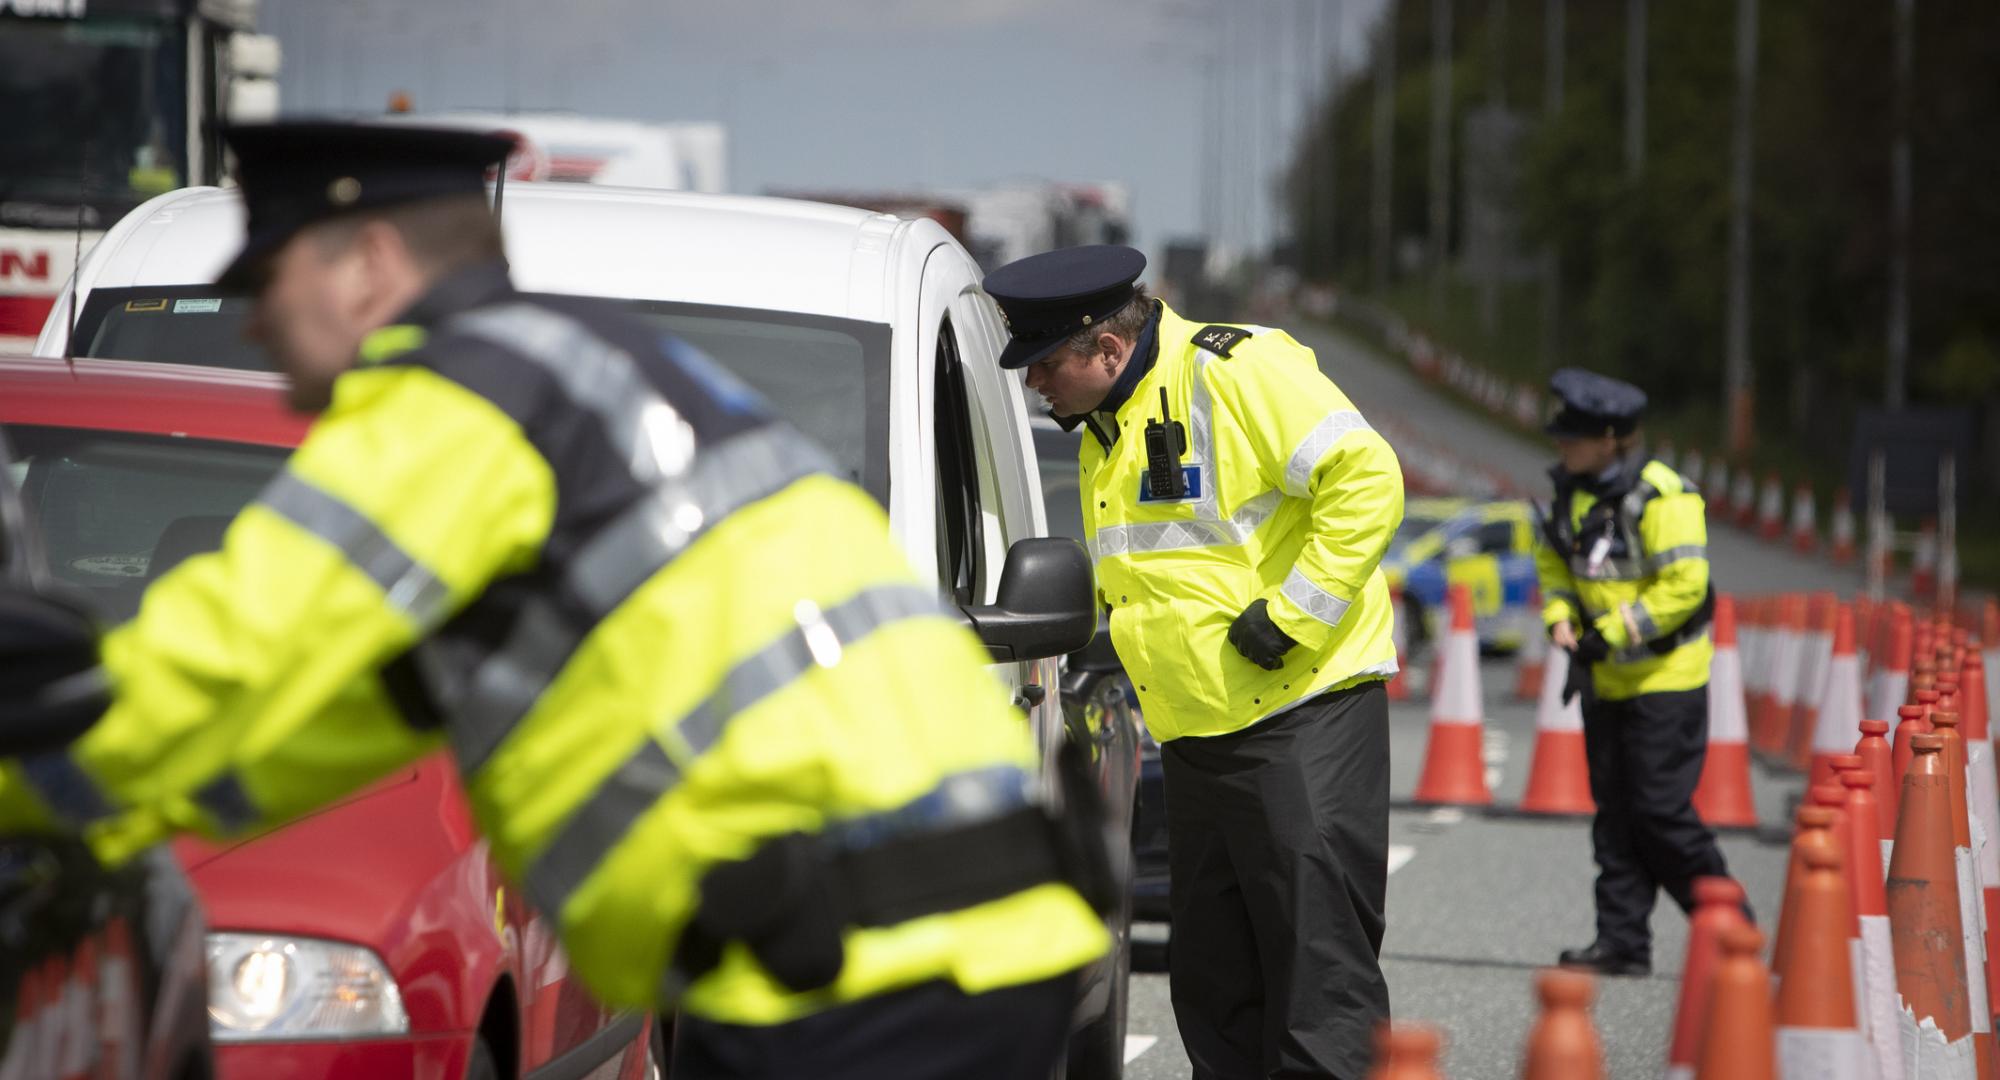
(325, 290)
(1072, 383)
(1586, 456)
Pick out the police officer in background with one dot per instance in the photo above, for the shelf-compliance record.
(1624, 574)
(1237, 506)
(703, 709)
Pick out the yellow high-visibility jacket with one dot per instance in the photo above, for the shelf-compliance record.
(1292, 498)
(1648, 595)
(652, 627)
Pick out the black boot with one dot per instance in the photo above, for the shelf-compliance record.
(1604, 960)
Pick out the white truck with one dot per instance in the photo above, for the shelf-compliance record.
(567, 148)
(104, 104)
(869, 333)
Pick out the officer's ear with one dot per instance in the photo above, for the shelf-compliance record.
(1111, 347)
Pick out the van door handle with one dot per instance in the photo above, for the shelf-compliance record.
(1029, 696)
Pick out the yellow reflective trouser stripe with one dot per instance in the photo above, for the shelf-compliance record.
(409, 586)
(583, 841)
(483, 709)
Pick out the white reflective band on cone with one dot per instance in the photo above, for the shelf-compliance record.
(1822, 1054)
(1679, 1072)
(1888, 848)
(1969, 908)
(1926, 1054)
(1878, 967)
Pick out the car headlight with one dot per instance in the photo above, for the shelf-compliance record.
(269, 987)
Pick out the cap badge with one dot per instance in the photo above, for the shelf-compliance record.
(344, 191)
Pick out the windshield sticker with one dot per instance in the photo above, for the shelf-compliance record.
(130, 566)
(145, 305)
(185, 307)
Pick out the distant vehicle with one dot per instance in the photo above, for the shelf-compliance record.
(108, 104)
(101, 970)
(373, 937)
(1012, 221)
(566, 148)
(1487, 546)
(869, 333)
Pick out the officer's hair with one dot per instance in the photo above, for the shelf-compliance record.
(1127, 322)
(442, 234)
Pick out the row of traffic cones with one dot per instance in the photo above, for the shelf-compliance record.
(1563, 1044)
(1454, 771)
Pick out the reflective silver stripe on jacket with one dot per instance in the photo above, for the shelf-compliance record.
(1642, 622)
(622, 556)
(1632, 654)
(1312, 599)
(1609, 570)
(1322, 438)
(959, 800)
(410, 586)
(65, 788)
(597, 376)
(1661, 560)
(819, 640)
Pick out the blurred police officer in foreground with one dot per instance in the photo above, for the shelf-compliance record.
(703, 709)
(1624, 570)
(1237, 505)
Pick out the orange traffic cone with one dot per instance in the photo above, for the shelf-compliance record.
(1739, 1041)
(1770, 732)
(1563, 1044)
(1879, 761)
(1755, 635)
(1805, 520)
(1559, 776)
(1454, 762)
(1399, 685)
(1982, 796)
(1866, 615)
(1823, 614)
(1971, 911)
(1406, 1052)
(1911, 721)
(1819, 1036)
(1989, 634)
(1815, 828)
(1771, 509)
(1534, 654)
(1723, 797)
(1840, 703)
(1718, 905)
(1875, 964)
(1843, 527)
(1923, 918)
(1892, 675)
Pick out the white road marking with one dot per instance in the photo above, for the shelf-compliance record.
(1400, 856)
(1447, 815)
(1138, 1044)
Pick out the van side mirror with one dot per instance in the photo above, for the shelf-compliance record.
(1046, 602)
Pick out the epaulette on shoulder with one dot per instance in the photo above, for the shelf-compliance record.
(1220, 339)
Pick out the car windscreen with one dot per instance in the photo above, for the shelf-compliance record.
(115, 511)
(829, 377)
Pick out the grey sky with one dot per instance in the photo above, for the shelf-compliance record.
(865, 94)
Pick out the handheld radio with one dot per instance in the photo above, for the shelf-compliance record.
(1166, 441)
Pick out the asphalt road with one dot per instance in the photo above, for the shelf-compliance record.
(1477, 902)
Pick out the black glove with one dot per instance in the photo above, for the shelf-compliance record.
(1258, 638)
(1591, 648)
(51, 688)
(1578, 680)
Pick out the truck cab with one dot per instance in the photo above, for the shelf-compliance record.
(109, 103)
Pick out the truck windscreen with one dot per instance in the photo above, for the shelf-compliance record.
(94, 117)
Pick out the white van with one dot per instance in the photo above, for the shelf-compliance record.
(868, 332)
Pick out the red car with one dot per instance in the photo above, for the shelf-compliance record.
(374, 937)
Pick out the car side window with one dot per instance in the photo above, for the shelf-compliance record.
(960, 542)
(1496, 538)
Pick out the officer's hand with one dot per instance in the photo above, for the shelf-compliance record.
(1591, 648)
(1258, 638)
(1563, 635)
(1578, 680)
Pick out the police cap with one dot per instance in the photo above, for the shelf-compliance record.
(1045, 298)
(1594, 405)
(297, 173)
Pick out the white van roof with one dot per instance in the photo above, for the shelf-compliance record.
(629, 243)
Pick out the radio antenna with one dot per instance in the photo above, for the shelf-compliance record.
(76, 255)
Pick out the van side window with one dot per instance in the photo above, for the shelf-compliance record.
(959, 539)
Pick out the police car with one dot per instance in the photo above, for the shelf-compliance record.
(1487, 546)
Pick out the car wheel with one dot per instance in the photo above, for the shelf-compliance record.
(482, 1065)
(1097, 1052)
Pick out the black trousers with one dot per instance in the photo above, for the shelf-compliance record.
(1645, 758)
(1278, 843)
(929, 1032)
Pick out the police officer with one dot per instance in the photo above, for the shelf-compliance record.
(1237, 506)
(1624, 570)
(704, 711)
